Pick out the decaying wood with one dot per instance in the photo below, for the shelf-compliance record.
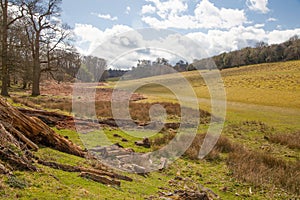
(35, 130)
(49, 118)
(100, 179)
(16, 161)
(105, 173)
(24, 139)
(12, 154)
(3, 169)
(54, 165)
(70, 168)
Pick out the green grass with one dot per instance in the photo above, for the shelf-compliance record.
(57, 184)
(105, 137)
(261, 100)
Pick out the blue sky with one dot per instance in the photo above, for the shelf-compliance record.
(219, 25)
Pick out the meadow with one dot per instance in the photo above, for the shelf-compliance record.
(256, 157)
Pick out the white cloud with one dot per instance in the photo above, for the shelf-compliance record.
(218, 41)
(126, 46)
(90, 37)
(206, 15)
(271, 19)
(148, 9)
(169, 8)
(279, 36)
(128, 9)
(106, 16)
(259, 25)
(149, 44)
(109, 44)
(258, 5)
(209, 16)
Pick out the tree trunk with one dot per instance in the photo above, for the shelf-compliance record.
(36, 67)
(24, 84)
(4, 88)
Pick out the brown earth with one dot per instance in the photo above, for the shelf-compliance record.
(52, 88)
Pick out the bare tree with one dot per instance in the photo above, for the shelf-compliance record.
(6, 22)
(40, 15)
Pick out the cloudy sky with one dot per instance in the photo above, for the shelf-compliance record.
(218, 25)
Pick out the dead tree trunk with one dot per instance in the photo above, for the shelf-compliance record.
(34, 130)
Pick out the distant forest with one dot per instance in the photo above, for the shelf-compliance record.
(261, 53)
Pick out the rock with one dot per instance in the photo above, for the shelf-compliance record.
(129, 150)
(164, 163)
(145, 143)
(138, 169)
(116, 153)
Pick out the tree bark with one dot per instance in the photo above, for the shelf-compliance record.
(36, 67)
(4, 27)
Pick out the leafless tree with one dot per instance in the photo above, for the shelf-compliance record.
(7, 19)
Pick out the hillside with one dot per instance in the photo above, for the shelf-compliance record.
(260, 137)
(250, 91)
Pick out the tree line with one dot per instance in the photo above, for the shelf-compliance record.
(261, 53)
(160, 66)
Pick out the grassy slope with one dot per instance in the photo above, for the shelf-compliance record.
(268, 93)
(56, 184)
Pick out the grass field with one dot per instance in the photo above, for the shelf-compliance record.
(262, 128)
(266, 92)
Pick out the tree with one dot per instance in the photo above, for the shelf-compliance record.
(39, 16)
(6, 22)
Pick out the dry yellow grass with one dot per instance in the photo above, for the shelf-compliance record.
(265, 92)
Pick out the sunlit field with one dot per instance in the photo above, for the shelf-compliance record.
(266, 92)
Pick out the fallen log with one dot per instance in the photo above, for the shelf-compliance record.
(35, 130)
(70, 168)
(100, 179)
(95, 175)
(104, 173)
(54, 165)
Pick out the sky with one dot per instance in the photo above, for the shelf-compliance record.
(215, 25)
